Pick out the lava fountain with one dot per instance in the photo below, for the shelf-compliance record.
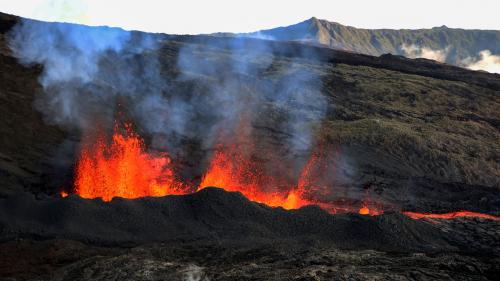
(122, 168)
(233, 170)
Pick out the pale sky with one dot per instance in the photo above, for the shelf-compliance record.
(194, 17)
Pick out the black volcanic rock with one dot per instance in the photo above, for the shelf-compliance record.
(221, 236)
(209, 215)
(69, 260)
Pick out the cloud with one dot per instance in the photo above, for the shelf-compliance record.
(413, 51)
(486, 61)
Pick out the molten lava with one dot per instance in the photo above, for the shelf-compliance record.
(233, 170)
(372, 211)
(451, 215)
(122, 168)
(364, 211)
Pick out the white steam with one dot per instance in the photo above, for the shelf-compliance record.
(486, 61)
(414, 51)
(87, 70)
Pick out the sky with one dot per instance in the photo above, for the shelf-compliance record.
(195, 17)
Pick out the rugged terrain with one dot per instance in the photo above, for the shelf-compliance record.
(452, 45)
(422, 136)
(216, 235)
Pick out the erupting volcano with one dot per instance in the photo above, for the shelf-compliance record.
(128, 154)
(122, 167)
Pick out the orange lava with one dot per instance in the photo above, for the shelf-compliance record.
(122, 168)
(364, 211)
(451, 215)
(64, 194)
(231, 169)
(370, 210)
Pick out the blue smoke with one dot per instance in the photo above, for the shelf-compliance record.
(85, 69)
(245, 83)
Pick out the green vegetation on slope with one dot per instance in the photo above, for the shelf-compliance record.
(459, 44)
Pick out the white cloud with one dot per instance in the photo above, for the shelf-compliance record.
(414, 51)
(487, 62)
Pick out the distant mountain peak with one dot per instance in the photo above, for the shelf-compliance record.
(455, 45)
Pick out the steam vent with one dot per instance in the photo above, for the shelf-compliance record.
(305, 152)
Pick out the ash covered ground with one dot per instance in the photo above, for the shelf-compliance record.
(419, 135)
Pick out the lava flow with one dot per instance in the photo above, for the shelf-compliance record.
(451, 215)
(122, 168)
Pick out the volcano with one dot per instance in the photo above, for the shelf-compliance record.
(167, 157)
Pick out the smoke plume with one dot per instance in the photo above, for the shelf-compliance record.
(85, 69)
(486, 61)
(90, 72)
(242, 88)
(414, 51)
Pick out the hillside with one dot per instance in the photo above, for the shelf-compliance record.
(449, 45)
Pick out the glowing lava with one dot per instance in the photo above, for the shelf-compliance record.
(122, 168)
(451, 215)
(231, 169)
(371, 211)
(364, 211)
